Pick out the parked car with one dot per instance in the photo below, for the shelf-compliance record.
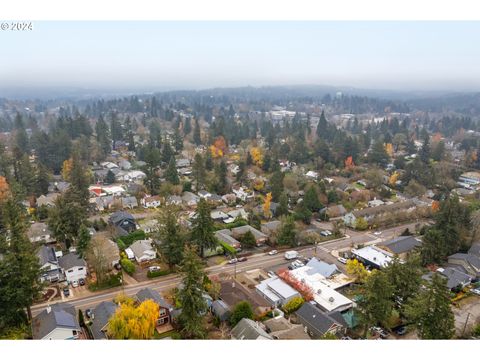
(88, 313)
(381, 332)
(74, 283)
(271, 274)
(66, 291)
(324, 233)
(233, 261)
(342, 260)
(154, 268)
(242, 259)
(273, 252)
(402, 330)
(117, 266)
(475, 291)
(81, 282)
(346, 338)
(377, 233)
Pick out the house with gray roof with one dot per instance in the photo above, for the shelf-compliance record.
(455, 277)
(276, 291)
(316, 322)
(164, 307)
(143, 250)
(74, 267)
(123, 222)
(39, 232)
(220, 310)
(100, 317)
(56, 322)
(247, 329)
(469, 263)
(321, 267)
(271, 227)
(401, 245)
(49, 268)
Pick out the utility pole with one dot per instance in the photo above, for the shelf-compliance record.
(466, 322)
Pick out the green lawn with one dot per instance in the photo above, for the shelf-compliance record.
(172, 334)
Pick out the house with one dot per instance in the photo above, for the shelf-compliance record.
(370, 213)
(134, 175)
(373, 256)
(218, 215)
(375, 202)
(320, 267)
(74, 267)
(238, 213)
(229, 199)
(114, 190)
(143, 250)
(225, 236)
(401, 246)
(39, 232)
(109, 165)
(238, 232)
(123, 222)
(247, 329)
(276, 291)
(101, 314)
(243, 194)
(271, 227)
(151, 202)
(313, 175)
(129, 202)
(181, 163)
(47, 200)
(125, 164)
(174, 200)
(220, 310)
(149, 226)
(456, 279)
(190, 199)
(335, 211)
(49, 268)
(282, 329)
(164, 307)
(56, 322)
(316, 322)
(469, 263)
(470, 180)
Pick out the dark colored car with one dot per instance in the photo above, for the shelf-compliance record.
(117, 266)
(66, 291)
(402, 330)
(88, 313)
(81, 282)
(241, 259)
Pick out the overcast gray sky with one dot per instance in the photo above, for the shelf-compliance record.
(186, 55)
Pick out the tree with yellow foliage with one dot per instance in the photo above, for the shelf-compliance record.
(4, 188)
(356, 269)
(389, 149)
(266, 205)
(257, 155)
(67, 169)
(258, 184)
(219, 147)
(393, 179)
(130, 322)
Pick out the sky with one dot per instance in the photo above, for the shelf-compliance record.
(194, 55)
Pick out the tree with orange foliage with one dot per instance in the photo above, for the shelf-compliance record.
(4, 189)
(305, 290)
(219, 147)
(257, 155)
(349, 164)
(393, 179)
(389, 149)
(435, 206)
(266, 205)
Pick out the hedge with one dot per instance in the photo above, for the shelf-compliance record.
(229, 248)
(110, 282)
(132, 237)
(128, 266)
(154, 274)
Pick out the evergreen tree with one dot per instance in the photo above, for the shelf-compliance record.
(202, 228)
(196, 133)
(19, 267)
(276, 184)
(377, 154)
(191, 296)
(282, 208)
(103, 135)
(209, 161)
(311, 200)
(303, 213)
(64, 220)
(110, 177)
(198, 171)
(42, 180)
(79, 182)
(248, 240)
(177, 141)
(287, 234)
(152, 161)
(221, 176)
(131, 142)
(425, 150)
(171, 238)
(322, 127)
(171, 174)
(405, 278)
(430, 312)
(187, 126)
(83, 243)
(167, 152)
(243, 310)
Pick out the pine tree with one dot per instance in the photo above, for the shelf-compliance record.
(177, 141)
(202, 231)
(221, 176)
(42, 180)
(243, 310)
(322, 127)
(191, 296)
(287, 234)
(103, 135)
(171, 174)
(430, 311)
(171, 238)
(152, 161)
(198, 171)
(377, 154)
(282, 208)
(83, 243)
(65, 218)
(196, 133)
(19, 267)
(276, 184)
(209, 161)
(187, 126)
(79, 182)
(167, 152)
(248, 240)
(110, 177)
(311, 199)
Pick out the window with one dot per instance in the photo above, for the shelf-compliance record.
(70, 271)
(80, 269)
(163, 312)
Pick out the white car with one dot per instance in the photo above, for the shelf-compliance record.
(273, 252)
(233, 261)
(377, 233)
(74, 283)
(475, 291)
(154, 268)
(342, 260)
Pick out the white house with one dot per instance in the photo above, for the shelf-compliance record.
(143, 250)
(49, 268)
(74, 267)
(56, 322)
(151, 202)
(312, 175)
(40, 232)
(276, 291)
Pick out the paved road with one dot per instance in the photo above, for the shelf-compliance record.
(263, 261)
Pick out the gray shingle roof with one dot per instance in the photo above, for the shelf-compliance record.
(148, 293)
(401, 244)
(221, 310)
(247, 329)
(117, 218)
(71, 260)
(314, 319)
(321, 267)
(102, 314)
(61, 315)
(45, 255)
(475, 249)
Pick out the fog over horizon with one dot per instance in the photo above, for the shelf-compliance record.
(161, 56)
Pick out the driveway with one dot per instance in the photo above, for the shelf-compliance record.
(467, 314)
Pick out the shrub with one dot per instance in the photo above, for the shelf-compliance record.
(361, 224)
(109, 282)
(242, 310)
(132, 237)
(293, 305)
(128, 266)
(154, 274)
(228, 248)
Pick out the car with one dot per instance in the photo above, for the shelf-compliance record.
(402, 330)
(88, 313)
(324, 233)
(233, 261)
(475, 291)
(342, 260)
(81, 282)
(242, 259)
(154, 268)
(74, 283)
(379, 331)
(271, 274)
(66, 291)
(377, 233)
(117, 266)
(346, 338)
(273, 252)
